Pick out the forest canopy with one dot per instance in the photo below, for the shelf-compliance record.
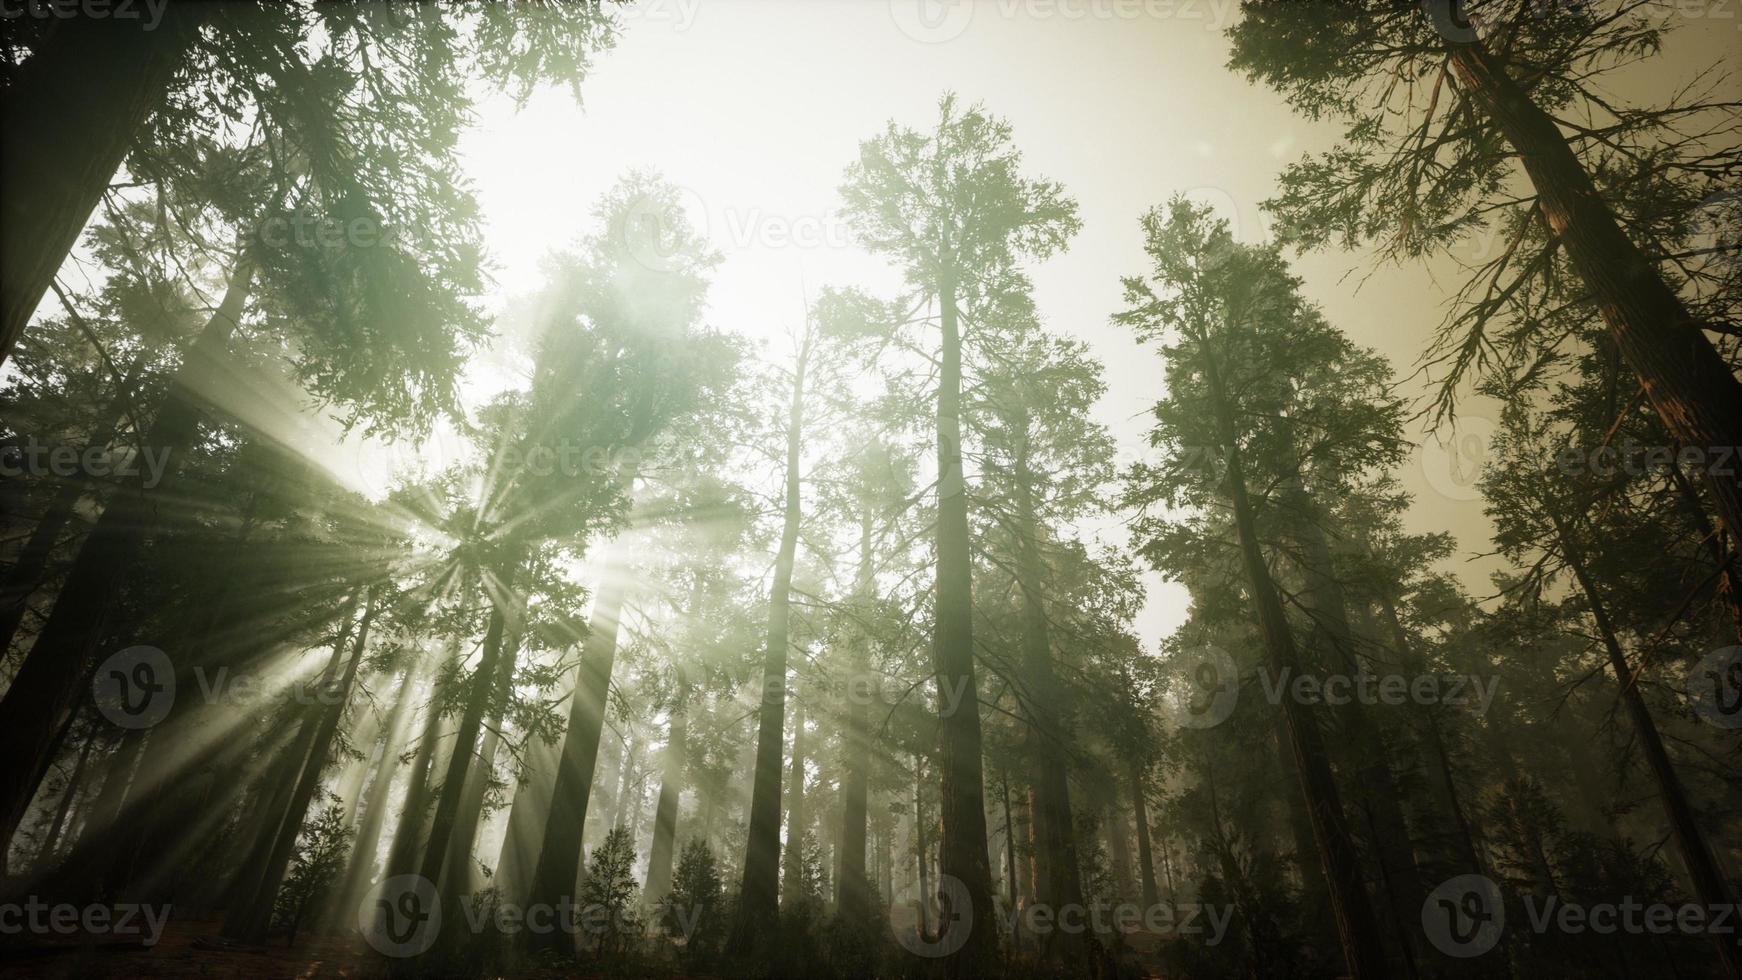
(733, 489)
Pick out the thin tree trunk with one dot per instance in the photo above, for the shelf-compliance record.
(414, 813)
(75, 781)
(1048, 729)
(1145, 854)
(526, 817)
(962, 795)
(53, 676)
(559, 854)
(852, 887)
(70, 117)
(360, 869)
(795, 819)
(265, 865)
(1376, 787)
(1357, 930)
(1693, 390)
(485, 683)
(758, 898)
(659, 858)
(919, 850)
(1709, 885)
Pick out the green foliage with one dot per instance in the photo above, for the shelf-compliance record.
(608, 895)
(321, 852)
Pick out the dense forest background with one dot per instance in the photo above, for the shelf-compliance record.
(431, 549)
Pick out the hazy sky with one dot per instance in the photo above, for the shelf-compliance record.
(755, 107)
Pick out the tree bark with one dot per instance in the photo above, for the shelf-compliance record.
(53, 675)
(758, 900)
(1357, 930)
(270, 856)
(70, 117)
(659, 858)
(1709, 885)
(793, 870)
(360, 869)
(559, 854)
(485, 683)
(852, 887)
(1145, 852)
(526, 820)
(75, 781)
(1693, 391)
(962, 793)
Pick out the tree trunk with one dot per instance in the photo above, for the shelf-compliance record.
(852, 887)
(1357, 930)
(659, 859)
(559, 854)
(1439, 764)
(70, 117)
(1709, 885)
(360, 869)
(407, 844)
(485, 683)
(758, 899)
(526, 817)
(962, 795)
(270, 857)
(1060, 875)
(1145, 853)
(919, 850)
(1376, 787)
(75, 781)
(1693, 390)
(27, 573)
(795, 818)
(54, 674)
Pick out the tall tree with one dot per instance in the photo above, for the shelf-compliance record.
(952, 208)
